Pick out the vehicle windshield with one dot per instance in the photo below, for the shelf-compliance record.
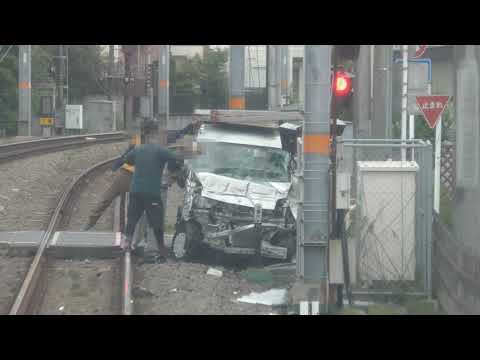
(243, 162)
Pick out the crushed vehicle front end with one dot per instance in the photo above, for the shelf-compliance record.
(236, 194)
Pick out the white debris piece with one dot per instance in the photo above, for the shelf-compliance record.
(15, 190)
(173, 290)
(61, 308)
(214, 272)
(90, 138)
(269, 298)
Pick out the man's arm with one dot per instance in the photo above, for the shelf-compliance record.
(130, 157)
(118, 163)
(188, 130)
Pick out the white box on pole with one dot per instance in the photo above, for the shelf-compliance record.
(74, 116)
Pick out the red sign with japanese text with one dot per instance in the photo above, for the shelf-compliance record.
(419, 51)
(432, 107)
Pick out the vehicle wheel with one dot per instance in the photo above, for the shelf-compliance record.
(288, 240)
(185, 243)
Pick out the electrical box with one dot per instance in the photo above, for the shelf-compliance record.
(386, 204)
(74, 116)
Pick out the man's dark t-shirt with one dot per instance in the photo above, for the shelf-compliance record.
(149, 161)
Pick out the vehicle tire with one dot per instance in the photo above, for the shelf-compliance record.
(288, 240)
(186, 241)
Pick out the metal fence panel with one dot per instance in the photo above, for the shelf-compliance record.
(391, 219)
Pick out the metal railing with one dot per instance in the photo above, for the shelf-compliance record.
(390, 220)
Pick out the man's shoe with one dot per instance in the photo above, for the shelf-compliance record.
(126, 243)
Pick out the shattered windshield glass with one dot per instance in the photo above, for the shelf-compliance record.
(243, 162)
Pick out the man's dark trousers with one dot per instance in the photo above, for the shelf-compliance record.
(137, 204)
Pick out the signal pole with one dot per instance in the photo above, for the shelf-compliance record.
(313, 213)
(237, 77)
(283, 70)
(25, 90)
(163, 90)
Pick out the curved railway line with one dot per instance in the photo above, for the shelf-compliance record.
(32, 291)
(30, 296)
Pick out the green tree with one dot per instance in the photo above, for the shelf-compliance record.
(8, 90)
(214, 80)
(199, 81)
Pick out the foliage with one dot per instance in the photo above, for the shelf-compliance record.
(200, 81)
(8, 90)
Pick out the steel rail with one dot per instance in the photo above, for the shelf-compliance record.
(34, 278)
(13, 151)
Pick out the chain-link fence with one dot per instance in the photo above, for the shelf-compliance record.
(389, 222)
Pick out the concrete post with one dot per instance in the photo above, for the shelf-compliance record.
(312, 259)
(361, 100)
(25, 90)
(273, 68)
(237, 77)
(382, 92)
(467, 114)
(284, 72)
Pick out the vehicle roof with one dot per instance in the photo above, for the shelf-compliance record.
(259, 137)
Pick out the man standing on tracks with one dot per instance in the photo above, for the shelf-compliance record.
(123, 177)
(145, 191)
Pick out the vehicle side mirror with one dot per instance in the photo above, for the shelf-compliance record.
(288, 135)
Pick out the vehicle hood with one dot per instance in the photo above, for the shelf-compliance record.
(242, 192)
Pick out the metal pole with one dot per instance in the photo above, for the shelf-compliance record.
(111, 61)
(382, 92)
(150, 90)
(362, 99)
(438, 158)
(313, 266)
(163, 91)
(237, 77)
(273, 103)
(284, 72)
(404, 97)
(25, 90)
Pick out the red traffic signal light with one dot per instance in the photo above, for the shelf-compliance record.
(342, 84)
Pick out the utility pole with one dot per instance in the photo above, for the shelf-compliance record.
(163, 90)
(273, 62)
(361, 99)
(111, 64)
(467, 115)
(237, 77)
(284, 72)
(24, 90)
(404, 99)
(126, 82)
(60, 110)
(382, 92)
(313, 213)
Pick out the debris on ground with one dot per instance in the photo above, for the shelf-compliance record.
(173, 290)
(61, 308)
(141, 292)
(258, 276)
(215, 272)
(271, 297)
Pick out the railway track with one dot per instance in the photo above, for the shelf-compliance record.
(14, 151)
(34, 287)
